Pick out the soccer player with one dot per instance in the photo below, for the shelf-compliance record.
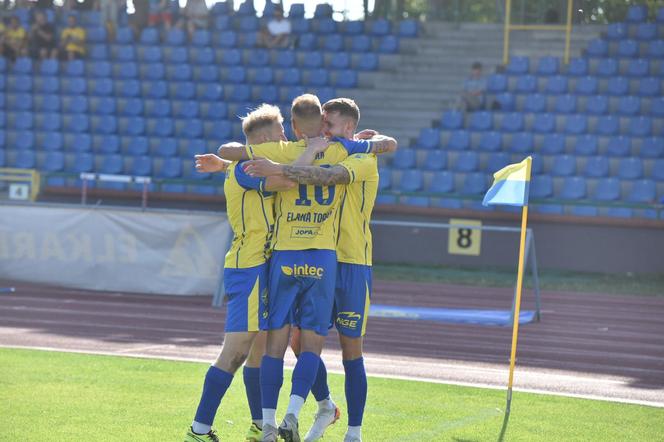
(303, 267)
(250, 208)
(353, 286)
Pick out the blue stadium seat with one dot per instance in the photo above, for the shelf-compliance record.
(124, 36)
(112, 164)
(577, 67)
(497, 83)
(184, 90)
(650, 87)
(657, 107)
(157, 108)
(512, 122)
(181, 72)
(385, 182)
(339, 60)
(132, 107)
(441, 182)
(99, 69)
(138, 146)
(360, 43)
(149, 36)
(175, 37)
(482, 120)
(586, 145)
(317, 78)
(617, 86)
(474, 183)
(388, 45)
(505, 101)
(44, 85)
(435, 160)
(544, 123)
(21, 120)
(83, 162)
(637, 14)
(54, 162)
(628, 48)
(418, 201)
(607, 67)
(268, 94)
(257, 58)
(96, 35)
(466, 162)
(125, 53)
(171, 168)
(640, 126)
(534, 103)
(652, 147)
(345, 79)
(132, 126)
(526, 84)
(597, 48)
(296, 10)
(300, 26)
(619, 146)
(152, 55)
(81, 142)
(333, 43)
(547, 66)
(616, 31)
(52, 141)
(220, 130)
(307, 42)
(227, 39)
(98, 52)
(452, 120)
(607, 189)
(98, 105)
(21, 140)
(201, 38)
(379, 27)
(497, 161)
(629, 105)
(20, 83)
(596, 167)
(160, 127)
(658, 170)
(607, 125)
(285, 59)
(586, 85)
(556, 84)
(573, 188)
(22, 65)
(106, 143)
(576, 124)
(565, 104)
(102, 87)
(192, 128)
(185, 109)
(518, 65)
(408, 28)
(630, 168)
(563, 165)
(19, 102)
(141, 165)
(25, 159)
(323, 10)
(522, 142)
(49, 67)
(325, 26)
(355, 27)
(312, 60)
(166, 147)
(73, 86)
(541, 186)
(128, 70)
(656, 49)
(490, 141)
(459, 140)
(203, 56)
(128, 88)
(248, 39)
(49, 103)
(597, 105)
(660, 15)
(412, 180)
(643, 191)
(49, 122)
(404, 159)
(638, 68)
(236, 74)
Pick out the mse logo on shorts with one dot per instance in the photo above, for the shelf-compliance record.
(305, 270)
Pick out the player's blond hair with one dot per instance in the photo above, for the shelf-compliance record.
(346, 107)
(260, 119)
(306, 112)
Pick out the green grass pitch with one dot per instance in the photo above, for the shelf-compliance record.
(52, 396)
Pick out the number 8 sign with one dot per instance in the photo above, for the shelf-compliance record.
(463, 240)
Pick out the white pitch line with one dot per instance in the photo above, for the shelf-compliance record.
(381, 376)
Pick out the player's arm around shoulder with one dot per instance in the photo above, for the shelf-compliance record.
(233, 151)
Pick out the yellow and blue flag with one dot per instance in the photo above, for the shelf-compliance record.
(510, 185)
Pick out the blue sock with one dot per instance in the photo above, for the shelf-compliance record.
(272, 376)
(304, 373)
(356, 390)
(252, 385)
(216, 383)
(320, 389)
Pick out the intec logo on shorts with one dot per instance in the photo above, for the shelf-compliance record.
(305, 271)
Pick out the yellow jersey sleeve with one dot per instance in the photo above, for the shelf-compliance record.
(284, 152)
(361, 167)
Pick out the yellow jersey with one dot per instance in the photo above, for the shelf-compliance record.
(15, 36)
(76, 45)
(354, 244)
(305, 216)
(250, 211)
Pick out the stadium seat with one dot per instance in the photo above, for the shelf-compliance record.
(155, 89)
(412, 180)
(505, 101)
(201, 38)
(184, 90)
(19, 102)
(354, 27)
(98, 105)
(98, 52)
(617, 86)
(227, 39)
(597, 48)
(53, 162)
(44, 85)
(628, 48)
(141, 166)
(490, 141)
(307, 42)
(586, 86)
(96, 35)
(629, 105)
(586, 145)
(643, 191)
(656, 49)
(257, 58)
(81, 142)
(268, 94)
(563, 165)
(125, 36)
(459, 140)
(192, 128)
(25, 159)
(497, 161)
(497, 83)
(577, 67)
(323, 10)
(596, 167)
(150, 54)
(125, 53)
(640, 126)
(49, 67)
(619, 146)
(441, 182)
(107, 144)
(181, 72)
(165, 147)
(339, 60)
(544, 123)
(296, 10)
(534, 103)
(522, 142)
(565, 104)
(607, 189)
(650, 87)
(300, 26)
(576, 124)
(128, 70)
(220, 130)
(52, 141)
(630, 168)
(138, 146)
(408, 28)
(345, 79)
(203, 56)
(466, 162)
(512, 122)
(541, 186)
(638, 68)
(21, 120)
(597, 105)
(207, 74)
(285, 59)
(452, 120)
(74, 86)
(660, 15)
(333, 43)
(435, 160)
(607, 67)
(526, 84)
(573, 188)
(48, 103)
(556, 84)
(474, 184)
(49, 122)
(160, 127)
(607, 125)
(404, 159)
(157, 108)
(83, 162)
(518, 66)
(658, 170)
(112, 164)
(637, 14)
(379, 27)
(102, 87)
(175, 37)
(317, 78)
(149, 36)
(616, 31)
(482, 120)
(388, 45)
(547, 65)
(652, 147)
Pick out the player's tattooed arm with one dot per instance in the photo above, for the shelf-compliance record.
(314, 147)
(233, 151)
(210, 163)
(278, 184)
(317, 176)
(383, 144)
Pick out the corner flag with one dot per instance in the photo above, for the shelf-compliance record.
(510, 185)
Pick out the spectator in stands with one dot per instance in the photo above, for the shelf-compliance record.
(195, 16)
(160, 13)
(72, 39)
(42, 38)
(15, 40)
(277, 32)
(109, 14)
(139, 19)
(474, 89)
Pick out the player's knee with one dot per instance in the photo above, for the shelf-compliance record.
(351, 348)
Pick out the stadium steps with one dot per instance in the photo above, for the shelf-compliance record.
(429, 71)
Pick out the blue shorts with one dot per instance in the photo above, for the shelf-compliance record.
(352, 299)
(246, 291)
(301, 289)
